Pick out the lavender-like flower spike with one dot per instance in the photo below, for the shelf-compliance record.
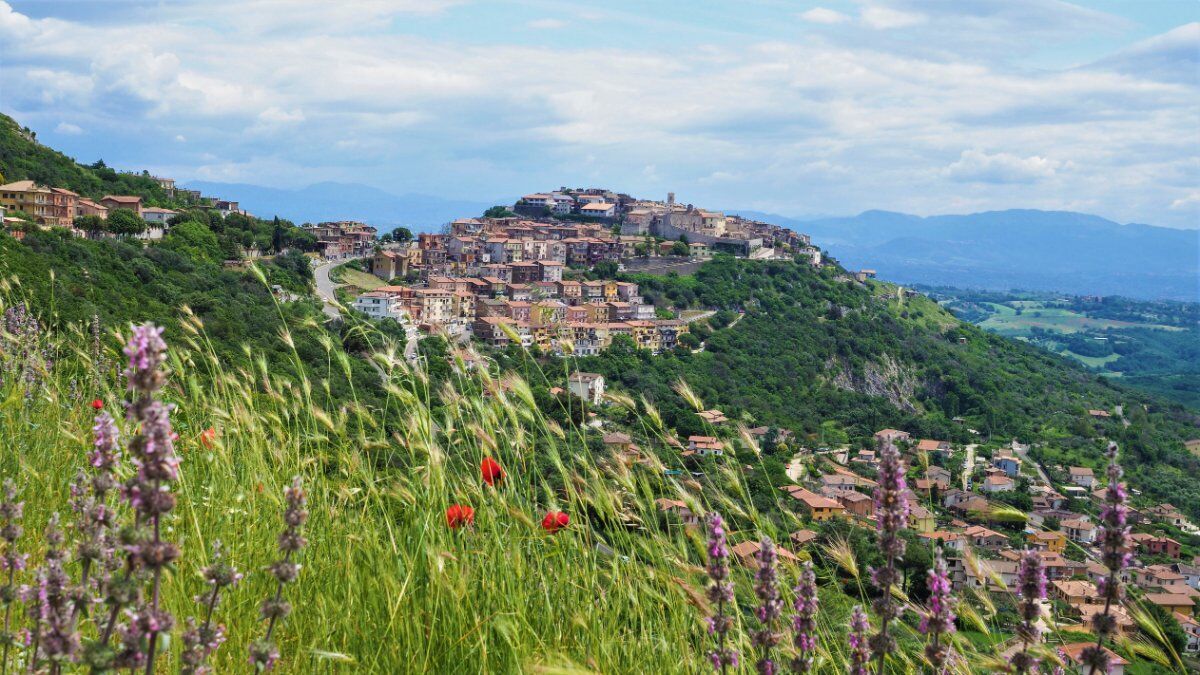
(263, 653)
(891, 516)
(1114, 554)
(11, 562)
(1031, 588)
(106, 451)
(201, 640)
(770, 608)
(860, 654)
(804, 621)
(939, 619)
(720, 593)
(56, 640)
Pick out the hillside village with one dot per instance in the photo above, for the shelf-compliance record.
(539, 275)
(981, 505)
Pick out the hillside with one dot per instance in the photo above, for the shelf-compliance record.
(1025, 249)
(23, 158)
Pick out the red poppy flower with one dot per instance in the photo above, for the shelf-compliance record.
(491, 471)
(459, 515)
(555, 521)
(97, 404)
(208, 436)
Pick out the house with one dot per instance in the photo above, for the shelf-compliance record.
(388, 265)
(952, 540)
(587, 386)
(713, 416)
(1169, 514)
(1010, 465)
(1073, 657)
(705, 445)
(937, 473)
(982, 537)
(619, 442)
(154, 215)
(818, 508)
(930, 445)
(1190, 574)
(1082, 476)
(1172, 602)
(746, 553)
(993, 484)
(1043, 540)
(1191, 628)
(679, 509)
(599, 210)
(1074, 593)
(1101, 414)
(1087, 613)
(856, 503)
(52, 207)
(1156, 544)
(1192, 445)
(133, 203)
(921, 519)
(802, 538)
(891, 436)
(1079, 530)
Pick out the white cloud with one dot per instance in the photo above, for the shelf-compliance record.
(68, 129)
(1189, 201)
(547, 24)
(1001, 167)
(884, 18)
(855, 119)
(824, 15)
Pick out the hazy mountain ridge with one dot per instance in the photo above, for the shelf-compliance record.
(345, 201)
(1020, 248)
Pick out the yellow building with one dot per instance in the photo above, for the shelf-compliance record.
(54, 207)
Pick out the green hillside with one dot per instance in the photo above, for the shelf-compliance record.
(22, 157)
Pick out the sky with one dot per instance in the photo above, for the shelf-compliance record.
(797, 108)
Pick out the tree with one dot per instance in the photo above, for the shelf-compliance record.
(93, 225)
(680, 248)
(402, 234)
(498, 212)
(194, 240)
(124, 222)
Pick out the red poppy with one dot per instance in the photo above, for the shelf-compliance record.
(97, 404)
(491, 470)
(208, 436)
(459, 515)
(555, 521)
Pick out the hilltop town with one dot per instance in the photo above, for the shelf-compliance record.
(540, 273)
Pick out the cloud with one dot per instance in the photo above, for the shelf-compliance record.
(884, 18)
(547, 24)
(68, 129)
(1001, 167)
(1189, 201)
(824, 15)
(921, 119)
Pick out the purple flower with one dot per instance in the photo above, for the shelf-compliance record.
(891, 517)
(1031, 589)
(720, 592)
(939, 619)
(1114, 555)
(804, 621)
(55, 636)
(263, 653)
(11, 562)
(860, 654)
(770, 607)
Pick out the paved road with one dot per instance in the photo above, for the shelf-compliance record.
(969, 466)
(326, 287)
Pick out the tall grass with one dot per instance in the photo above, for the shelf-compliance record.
(386, 586)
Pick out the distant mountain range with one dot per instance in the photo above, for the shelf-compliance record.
(1016, 249)
(346, 201)
(1000, 250)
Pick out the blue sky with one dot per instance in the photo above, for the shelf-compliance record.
(831, 107)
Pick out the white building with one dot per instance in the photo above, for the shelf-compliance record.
(379, 305)
(587, 386)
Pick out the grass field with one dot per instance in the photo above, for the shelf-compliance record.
(353, 277)
(1006, 321)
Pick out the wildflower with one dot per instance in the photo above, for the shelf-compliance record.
(97, 404)
(804, 621)
(1031, 588)
(720, 593)
(459, 515)
(766, 589)
(1114, 555)
(207, 437)
(56, 640)
(263, 653)
(201, 640)
(939, 620)
(891, 516)
(11, 512)
(860, 654)
(491, 471)
(555, 521)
